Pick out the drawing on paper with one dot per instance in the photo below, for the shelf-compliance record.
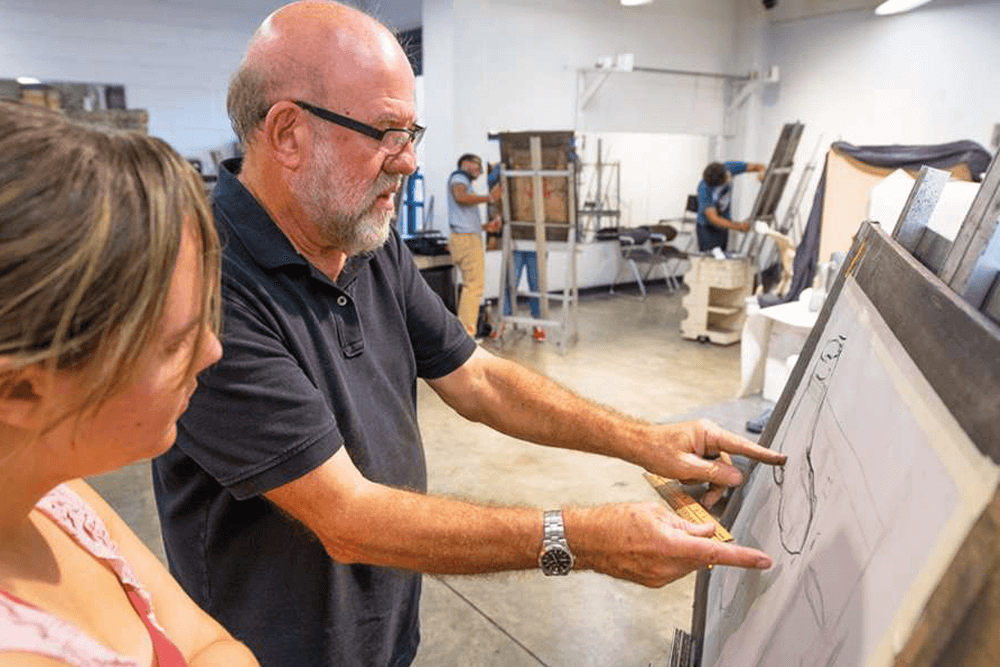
(797, 498)
(853, 515)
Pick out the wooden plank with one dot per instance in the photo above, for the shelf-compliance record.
(981, 625)
(932, 249)
(945, 630)
(571, 289)
(991, 304)
(975, 233)
(919, 206)
(506, 245)
(541, 250)
(928, 318)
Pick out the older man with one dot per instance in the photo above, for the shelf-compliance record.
(293, 504)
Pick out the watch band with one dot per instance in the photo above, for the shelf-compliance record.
(553, 525)
(555, 557)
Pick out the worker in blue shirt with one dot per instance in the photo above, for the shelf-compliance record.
(714, 198)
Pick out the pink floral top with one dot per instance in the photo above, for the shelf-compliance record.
(29, 629)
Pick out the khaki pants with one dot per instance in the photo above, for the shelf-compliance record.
(467, 253)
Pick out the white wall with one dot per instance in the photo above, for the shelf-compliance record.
(508, 65)
(173, 56)
(658, 172)
(438, 108)
(925, 77)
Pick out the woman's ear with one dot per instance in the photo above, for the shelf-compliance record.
(23, 395)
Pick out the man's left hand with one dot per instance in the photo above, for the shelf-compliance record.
(698, 451)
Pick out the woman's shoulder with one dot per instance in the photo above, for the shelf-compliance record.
(74, 507)
(32, 636)
(30, 630)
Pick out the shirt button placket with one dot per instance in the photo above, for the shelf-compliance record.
(349, 328)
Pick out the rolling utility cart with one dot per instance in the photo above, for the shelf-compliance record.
(716, 302)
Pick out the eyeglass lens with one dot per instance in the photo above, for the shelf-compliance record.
(395, 140)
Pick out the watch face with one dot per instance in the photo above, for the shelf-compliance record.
(556, 560)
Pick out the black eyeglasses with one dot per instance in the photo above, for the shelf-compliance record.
(392, 140)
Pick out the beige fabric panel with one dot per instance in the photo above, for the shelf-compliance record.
(845, 203)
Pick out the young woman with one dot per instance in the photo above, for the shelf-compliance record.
(109, 306)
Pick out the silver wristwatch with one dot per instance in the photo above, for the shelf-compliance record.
(555, 558)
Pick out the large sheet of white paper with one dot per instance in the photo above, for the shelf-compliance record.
(880, 487)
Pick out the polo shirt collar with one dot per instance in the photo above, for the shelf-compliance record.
(267, 244)
(248, 220)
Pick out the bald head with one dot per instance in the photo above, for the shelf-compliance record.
(323, 52)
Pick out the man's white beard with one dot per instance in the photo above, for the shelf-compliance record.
(361, 233)
(327, 197)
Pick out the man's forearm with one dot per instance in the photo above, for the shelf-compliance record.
(719, 221)
(471, 199)
(640, 542)
(360, 521)
(438, 535)
(380, 525)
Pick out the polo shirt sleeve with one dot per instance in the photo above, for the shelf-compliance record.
(704, 197)
(440, 343)
(257, 421)
(735, 167)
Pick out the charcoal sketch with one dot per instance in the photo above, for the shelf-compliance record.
(871, 484)
(797, 499)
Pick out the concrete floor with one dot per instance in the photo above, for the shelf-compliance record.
(629, 356)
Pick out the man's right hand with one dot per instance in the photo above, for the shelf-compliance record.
(648, 544)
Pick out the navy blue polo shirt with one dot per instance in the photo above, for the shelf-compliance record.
(309, 366)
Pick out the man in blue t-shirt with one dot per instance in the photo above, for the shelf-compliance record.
(714, 198)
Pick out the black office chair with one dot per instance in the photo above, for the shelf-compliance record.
(652, 249)
(690, 217)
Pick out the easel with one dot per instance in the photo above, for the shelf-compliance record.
(775, 179)
(922, 288)
(943, 636)
(792, 225)
(566, 325)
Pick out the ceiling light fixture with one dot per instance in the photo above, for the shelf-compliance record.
(898, 6)
(635, 3)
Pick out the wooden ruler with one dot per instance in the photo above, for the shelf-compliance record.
(685, 506)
